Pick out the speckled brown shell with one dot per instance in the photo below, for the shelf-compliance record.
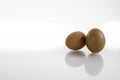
(75, 40)
(95, 40)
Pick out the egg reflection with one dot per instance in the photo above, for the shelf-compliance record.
(93, 63)
(75, 58)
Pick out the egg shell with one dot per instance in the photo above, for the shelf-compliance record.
(95, 40)
(75, 40)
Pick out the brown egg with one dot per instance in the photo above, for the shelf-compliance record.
(95, 40)
(75, 40)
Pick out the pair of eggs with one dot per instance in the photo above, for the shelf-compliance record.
(94, 40)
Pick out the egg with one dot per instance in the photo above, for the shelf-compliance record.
(95, 40)
(75, 40)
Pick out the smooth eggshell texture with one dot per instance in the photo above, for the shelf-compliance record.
(95, 40)
(75, 40)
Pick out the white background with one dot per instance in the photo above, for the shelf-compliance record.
(32, 35)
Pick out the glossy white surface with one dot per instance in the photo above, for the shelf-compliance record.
(59, 64)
